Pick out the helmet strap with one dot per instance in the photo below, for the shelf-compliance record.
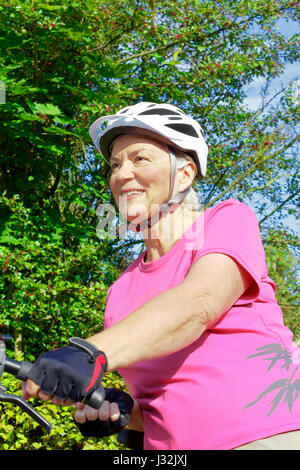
(165, 206)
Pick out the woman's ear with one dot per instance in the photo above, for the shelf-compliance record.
(186, 175)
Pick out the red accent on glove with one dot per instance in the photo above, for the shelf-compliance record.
(98, 366)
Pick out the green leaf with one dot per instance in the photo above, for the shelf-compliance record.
(10, 240)
(45, 108)
(18, 89)
(59, 130)
(28, 117)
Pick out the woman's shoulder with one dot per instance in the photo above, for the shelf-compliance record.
(230, 205)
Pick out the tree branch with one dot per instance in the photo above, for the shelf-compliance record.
(277, 208)
(253, 168)
(258, 188)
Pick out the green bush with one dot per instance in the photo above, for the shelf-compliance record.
(282, 263)
(18, 431)
(49, 290)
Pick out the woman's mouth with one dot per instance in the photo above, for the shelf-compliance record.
(131, 194)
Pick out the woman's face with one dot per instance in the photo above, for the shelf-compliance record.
(140, 176)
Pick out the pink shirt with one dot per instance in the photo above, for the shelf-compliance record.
(212, 395)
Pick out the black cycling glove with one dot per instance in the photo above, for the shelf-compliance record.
(102, 428)
(132, 439)
(72, 372)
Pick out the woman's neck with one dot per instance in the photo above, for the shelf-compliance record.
(167, 231)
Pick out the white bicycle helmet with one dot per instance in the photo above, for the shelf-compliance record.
(164, 122)
(169, 124)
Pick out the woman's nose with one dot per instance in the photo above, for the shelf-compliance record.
(125, 171)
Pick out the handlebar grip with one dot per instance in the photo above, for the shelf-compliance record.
(96, 399)
(20, 370)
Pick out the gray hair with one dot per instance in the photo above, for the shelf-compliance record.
(191, 200)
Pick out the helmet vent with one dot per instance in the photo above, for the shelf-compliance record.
(160, 111)
(184, 129)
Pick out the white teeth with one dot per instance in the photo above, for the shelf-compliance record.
(129, 193)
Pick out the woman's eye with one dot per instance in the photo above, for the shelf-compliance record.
(113, 166)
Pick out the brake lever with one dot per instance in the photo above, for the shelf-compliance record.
(25, 406)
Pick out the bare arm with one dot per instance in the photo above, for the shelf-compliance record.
(177, 317)
(173, 319)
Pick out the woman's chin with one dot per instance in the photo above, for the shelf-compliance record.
(134, 214)
(135, 217)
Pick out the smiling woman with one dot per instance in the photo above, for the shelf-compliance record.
(174, 133)
(184, 318)
(139, 181)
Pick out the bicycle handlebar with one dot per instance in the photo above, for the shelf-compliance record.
(20, 370)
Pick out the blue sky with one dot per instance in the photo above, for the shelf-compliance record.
(291, 73)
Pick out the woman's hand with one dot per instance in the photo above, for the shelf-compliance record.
(111, 418)
(106, 411)
(30, 389)
(70, 373)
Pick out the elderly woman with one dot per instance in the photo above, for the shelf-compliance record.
(190, 323)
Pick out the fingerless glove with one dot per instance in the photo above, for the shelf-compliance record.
(132, 439)
(72, 372)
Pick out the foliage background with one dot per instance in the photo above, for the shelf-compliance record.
(66, 63)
